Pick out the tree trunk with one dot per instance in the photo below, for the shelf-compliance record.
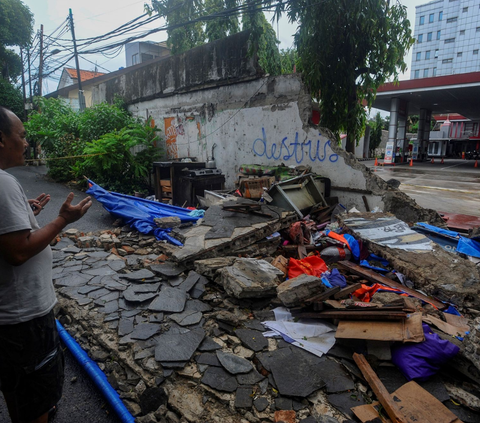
(351, 119)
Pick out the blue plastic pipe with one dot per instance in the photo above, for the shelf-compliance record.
(96, 375)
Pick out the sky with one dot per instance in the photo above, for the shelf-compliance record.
(96, 17)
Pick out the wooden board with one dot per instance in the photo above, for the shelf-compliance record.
(389, 403)
(409, 330)
(347, 291)
(376, 277)
(415, 403)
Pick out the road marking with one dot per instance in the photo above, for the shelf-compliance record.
(441, 189)
(448, 167)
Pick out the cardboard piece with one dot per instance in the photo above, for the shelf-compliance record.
(415, 404)
(281, 263)
(459, 321)
(409, 330)
(448, 328)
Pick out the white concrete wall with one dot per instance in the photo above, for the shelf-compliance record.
(257, 122)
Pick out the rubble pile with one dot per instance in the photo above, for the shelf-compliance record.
(267, 315)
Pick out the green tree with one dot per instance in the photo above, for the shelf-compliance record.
(182, 35)
(16, 23)
(376, 127)
(263, 39)
(11, 97)
(221, 27)
(347, 49)
(288, 58)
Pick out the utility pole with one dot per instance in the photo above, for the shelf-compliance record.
(23, 87)
(40, 66)
(81, 98)
(29, 75)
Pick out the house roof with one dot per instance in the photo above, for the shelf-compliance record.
(85, 75)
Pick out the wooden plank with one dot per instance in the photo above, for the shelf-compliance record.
(418, 405)
(379, 389)
(376, 277)
(324, 295)
(346, 291)
(346, 314)
(409, 330)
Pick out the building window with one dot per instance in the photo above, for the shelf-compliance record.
(447, 60)
(434, 71)
(462, 32)
(427, 55)
(419, 56)
(459, 54)
(475, 51)
(451, 20)
(478, 29)
(422, 20)
(436, 53)
(429, 36)
(439, 33)
(425, 73)
(420, 38)
(416, 74)
(440, 15)
(465, 9)
(449, 40)
(431, 17)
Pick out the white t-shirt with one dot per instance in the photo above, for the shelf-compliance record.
(26, 291)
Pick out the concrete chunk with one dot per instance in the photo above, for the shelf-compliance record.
(296, 290)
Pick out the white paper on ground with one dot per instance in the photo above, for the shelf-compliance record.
(314, 336)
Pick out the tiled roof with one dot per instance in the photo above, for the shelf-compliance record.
(85, 75)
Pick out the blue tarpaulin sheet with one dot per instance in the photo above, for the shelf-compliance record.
(450, 240)
(139, 213)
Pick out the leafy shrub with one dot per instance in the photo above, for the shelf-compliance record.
(113, 163)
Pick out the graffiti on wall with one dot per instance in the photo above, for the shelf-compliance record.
(288, 148)
(171, 138)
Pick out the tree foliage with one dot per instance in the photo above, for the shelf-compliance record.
(347, 49)
(288, 59)
(376, 127)
(183, 34)
(11, 97)
(16, 23)
(221, 27)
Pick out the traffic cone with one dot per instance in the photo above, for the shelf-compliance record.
(376, 161)
(411, 162)
(463, 155)
(476, 163)
(433, 160)
(441, 161)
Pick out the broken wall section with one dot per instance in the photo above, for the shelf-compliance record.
(214, 95)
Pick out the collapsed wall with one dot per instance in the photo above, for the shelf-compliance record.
(213, 101)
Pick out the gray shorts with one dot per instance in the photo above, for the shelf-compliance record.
(32, 366)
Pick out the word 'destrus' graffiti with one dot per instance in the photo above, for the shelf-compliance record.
(319, 150)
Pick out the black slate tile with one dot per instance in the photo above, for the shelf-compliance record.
(209, 359)
(219, 379)
(252, 339)
(345, 401)
(145, 330)
(208, 344)
(261, 404)
(178, 347)
(250, 378)
(243, 398)
(170, 300)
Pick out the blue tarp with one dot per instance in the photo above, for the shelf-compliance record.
(450, 240)
(139, 213)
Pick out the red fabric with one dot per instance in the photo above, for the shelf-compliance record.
(365, 293)
(311, 265)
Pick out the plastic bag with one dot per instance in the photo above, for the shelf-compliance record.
(311, 265)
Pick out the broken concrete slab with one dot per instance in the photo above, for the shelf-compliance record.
(209, 267)
(249, 278)
(436, 272)
(296, 290)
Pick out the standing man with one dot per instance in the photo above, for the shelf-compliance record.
(31, 358)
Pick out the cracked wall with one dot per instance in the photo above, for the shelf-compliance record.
(200, 99)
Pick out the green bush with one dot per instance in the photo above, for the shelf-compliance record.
(112, 163)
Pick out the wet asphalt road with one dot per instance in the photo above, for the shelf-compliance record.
(81, 401)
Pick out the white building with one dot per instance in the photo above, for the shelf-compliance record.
(447, 34)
